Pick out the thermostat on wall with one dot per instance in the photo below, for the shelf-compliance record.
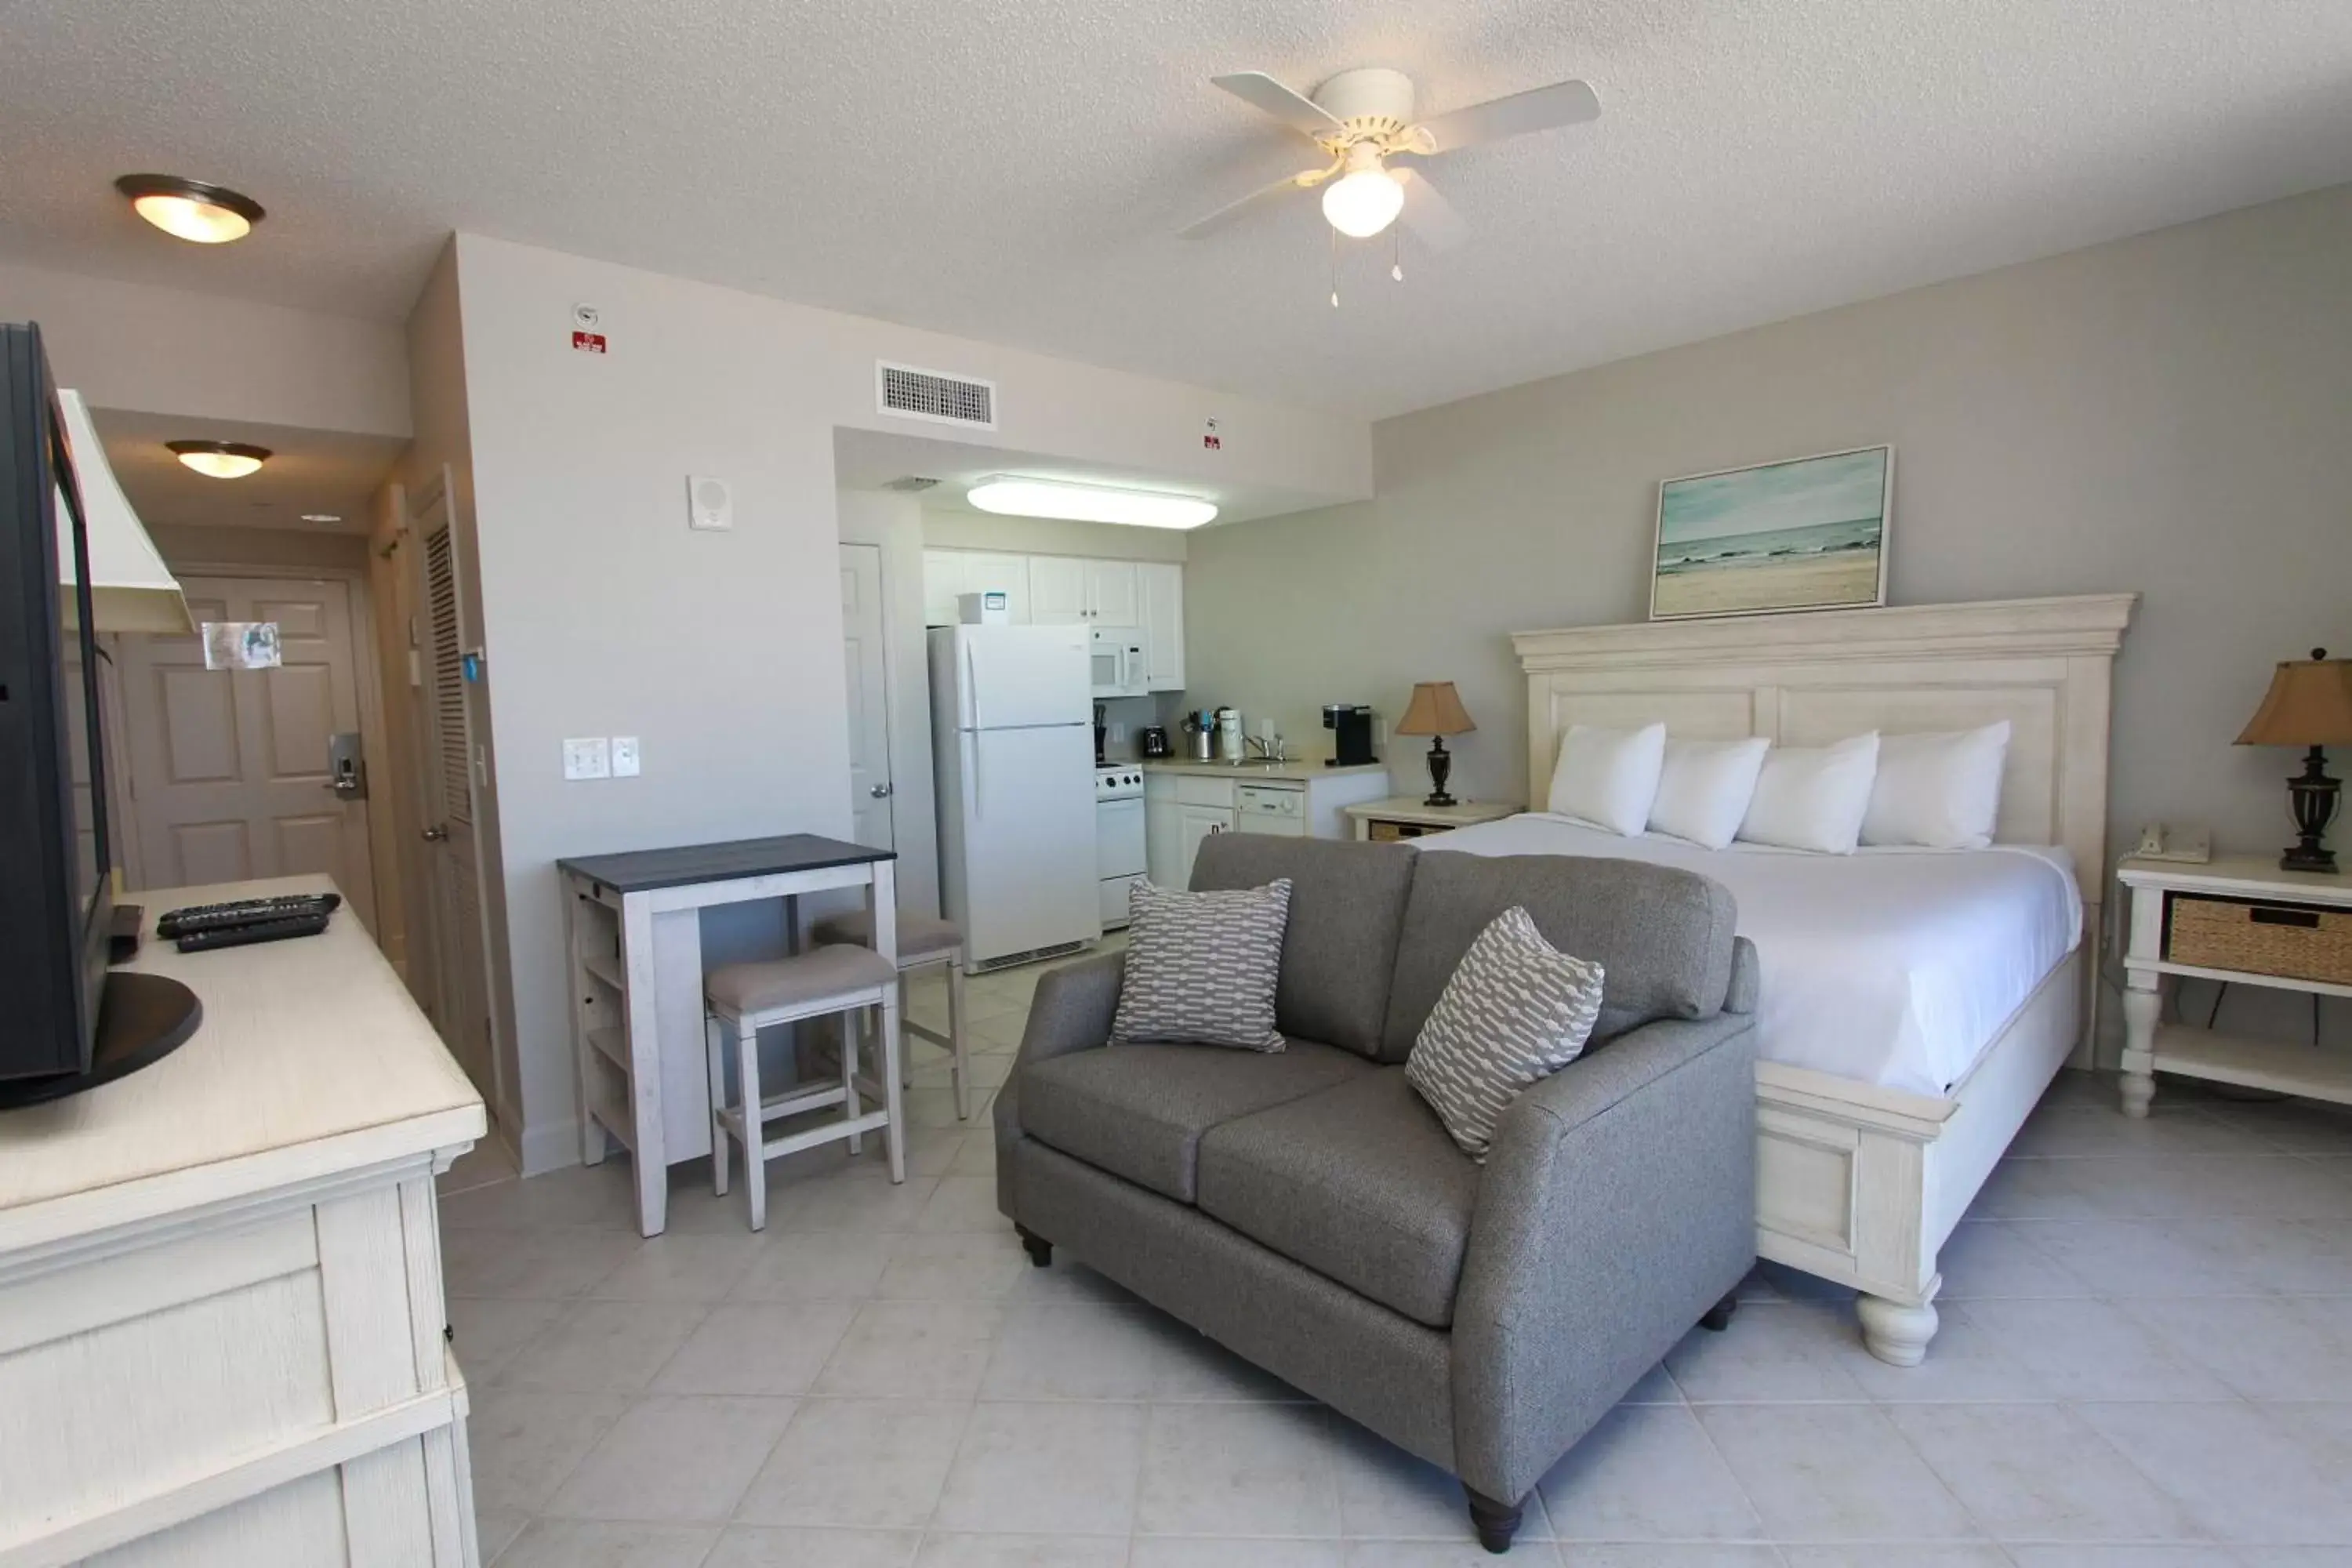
(709, 503)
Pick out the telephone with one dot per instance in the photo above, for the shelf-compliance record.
(2163, 841)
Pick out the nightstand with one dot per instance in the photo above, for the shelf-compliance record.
(1405, 816)
(2242, 920)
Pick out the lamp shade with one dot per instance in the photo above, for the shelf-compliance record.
(1435, 709)
(2309, 704)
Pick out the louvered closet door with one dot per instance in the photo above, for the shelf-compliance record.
(461, 1009)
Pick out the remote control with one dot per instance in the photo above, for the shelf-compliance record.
(253, 931)
(244, 911)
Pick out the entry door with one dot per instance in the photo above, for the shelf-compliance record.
(870, 700)
(229, 776)
(461, 1005)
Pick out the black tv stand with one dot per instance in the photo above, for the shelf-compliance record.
(141, 1020)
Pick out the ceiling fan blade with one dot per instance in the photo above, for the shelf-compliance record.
(1231, 210)
(1261, 92)
(1429, 215)
(1538, 108)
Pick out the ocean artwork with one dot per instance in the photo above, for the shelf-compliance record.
(1805, 534)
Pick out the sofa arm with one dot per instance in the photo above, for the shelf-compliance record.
(1072, 1012)
(1618, 1204)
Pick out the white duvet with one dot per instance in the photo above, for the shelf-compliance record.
(1894, 966)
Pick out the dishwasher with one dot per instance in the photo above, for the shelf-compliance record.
(1271, 807)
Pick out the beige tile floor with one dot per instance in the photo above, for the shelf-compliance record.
(2146, 1362)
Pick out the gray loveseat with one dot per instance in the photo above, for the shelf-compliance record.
(1306, 1210)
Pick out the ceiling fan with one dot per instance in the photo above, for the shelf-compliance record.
(1361, 119)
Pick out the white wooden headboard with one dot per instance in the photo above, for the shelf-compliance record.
(2044, 665)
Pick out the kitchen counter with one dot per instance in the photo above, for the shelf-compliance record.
(1298, 772)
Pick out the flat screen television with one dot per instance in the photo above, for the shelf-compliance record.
(65, 1023)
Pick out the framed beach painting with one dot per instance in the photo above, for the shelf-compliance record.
(1806, 534)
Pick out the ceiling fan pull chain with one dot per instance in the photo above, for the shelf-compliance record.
(1335, 268)
(1396, 252)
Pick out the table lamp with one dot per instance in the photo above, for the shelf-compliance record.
(1436, 711)
(2309, 704)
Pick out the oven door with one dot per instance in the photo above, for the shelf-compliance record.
(1117, 662)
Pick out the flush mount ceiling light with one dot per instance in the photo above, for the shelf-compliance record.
(220, 459)
(1089, 504)
(191, 209)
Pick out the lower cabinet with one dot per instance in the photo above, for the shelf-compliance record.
(1181, 810)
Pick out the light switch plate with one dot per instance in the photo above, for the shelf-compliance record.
(624, 756)
(589, 758)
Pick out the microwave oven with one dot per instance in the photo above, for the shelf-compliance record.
(1119, 670)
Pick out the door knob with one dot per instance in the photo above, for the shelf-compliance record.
(435, 834)
(880, 792)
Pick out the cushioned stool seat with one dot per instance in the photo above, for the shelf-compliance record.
(919, 936)
(804, 977)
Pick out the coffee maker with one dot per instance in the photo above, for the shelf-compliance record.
(1350, 724)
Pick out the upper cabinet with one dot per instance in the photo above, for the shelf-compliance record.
(1070, 590)
(949, 572)
(1057, 590)
(1114, 592)
(1162, 584)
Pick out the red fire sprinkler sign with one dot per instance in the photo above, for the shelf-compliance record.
(1210, 441)
(586, 319)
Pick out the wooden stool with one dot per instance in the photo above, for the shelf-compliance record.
(923, 942)
(745, 997)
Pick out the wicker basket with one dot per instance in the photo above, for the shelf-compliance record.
(2292, 941)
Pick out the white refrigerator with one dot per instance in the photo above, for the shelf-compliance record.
(1013, 744)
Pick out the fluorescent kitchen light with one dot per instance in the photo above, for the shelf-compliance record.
(1089, 504)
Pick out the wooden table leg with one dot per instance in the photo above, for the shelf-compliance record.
(649, 1158)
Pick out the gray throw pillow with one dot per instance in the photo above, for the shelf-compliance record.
(1517, 1010)
(1201, 967)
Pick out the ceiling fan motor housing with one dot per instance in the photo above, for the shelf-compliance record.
(1373, 103)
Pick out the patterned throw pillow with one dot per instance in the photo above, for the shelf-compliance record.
(1201, 967)
(1517, 1010)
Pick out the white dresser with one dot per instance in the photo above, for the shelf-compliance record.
(221, 1331)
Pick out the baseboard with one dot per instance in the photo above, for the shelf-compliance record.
(550, 1146)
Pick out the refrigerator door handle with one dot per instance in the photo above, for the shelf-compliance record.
(971, 690)
(976, 748)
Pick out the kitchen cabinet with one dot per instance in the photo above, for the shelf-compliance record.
(1057, 590)
(1115, 593)
(1163, 583)
(1071, 590)
(1195, 825)
(949, 572)
(1184, 804)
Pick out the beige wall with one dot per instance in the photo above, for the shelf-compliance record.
(187, 548)
(948, 528)
(604, 614)
(162, 351)
(2170, 413)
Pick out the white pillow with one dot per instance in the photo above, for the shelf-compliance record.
(1704, 787)
(1941, 789)
(1813, 798)
(1609, 777)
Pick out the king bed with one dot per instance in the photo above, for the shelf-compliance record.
(1916, 1002)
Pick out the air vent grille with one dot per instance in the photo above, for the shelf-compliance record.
(927, 395)
(912, 484)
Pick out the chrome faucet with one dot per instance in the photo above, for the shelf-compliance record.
(1267, 750)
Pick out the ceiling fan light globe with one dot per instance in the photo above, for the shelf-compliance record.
(1361, 203)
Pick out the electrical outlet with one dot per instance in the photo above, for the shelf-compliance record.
(590, 758)
(625, 758)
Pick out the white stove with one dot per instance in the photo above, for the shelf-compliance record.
(1118, 837)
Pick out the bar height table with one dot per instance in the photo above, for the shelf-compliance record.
(633, 936)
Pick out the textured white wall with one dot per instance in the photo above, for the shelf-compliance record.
(604, 615)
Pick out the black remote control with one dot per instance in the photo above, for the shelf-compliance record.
(244, 911)
(252, 931)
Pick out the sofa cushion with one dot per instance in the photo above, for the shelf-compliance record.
(1347, 908)
(1359, 1182)
(1138, 1111)
(1663, 935)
